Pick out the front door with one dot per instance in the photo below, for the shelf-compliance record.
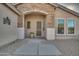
(38, 29)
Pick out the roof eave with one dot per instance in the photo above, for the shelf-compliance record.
(12, 8)
(65, 9)
(54, 4)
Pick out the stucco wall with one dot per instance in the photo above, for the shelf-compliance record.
(59, 13)
(8, 33)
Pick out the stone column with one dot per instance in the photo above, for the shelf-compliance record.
(50, 30)
(49, 21)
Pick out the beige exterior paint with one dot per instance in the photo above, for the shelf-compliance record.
(44, 12)
(8, 33)
(52, 13)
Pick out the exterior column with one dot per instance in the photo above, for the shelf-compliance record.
(20, 28)
(50, 30)
(49, 21)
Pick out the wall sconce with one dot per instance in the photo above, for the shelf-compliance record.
(6, 21)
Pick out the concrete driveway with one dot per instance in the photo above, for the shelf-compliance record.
(41, 47)
(30, 47)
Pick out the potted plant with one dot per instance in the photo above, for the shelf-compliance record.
(32, 34)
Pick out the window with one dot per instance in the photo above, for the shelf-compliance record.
(71, 26)
(28, 25)
(60, 26)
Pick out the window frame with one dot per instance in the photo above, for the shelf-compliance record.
(57, 26)
(74, 26)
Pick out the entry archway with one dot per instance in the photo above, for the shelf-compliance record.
(34, 23)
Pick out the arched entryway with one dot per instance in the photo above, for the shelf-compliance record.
(34, 23)
(37, 19)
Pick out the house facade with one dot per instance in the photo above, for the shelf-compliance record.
(40, 20)
(37, 18)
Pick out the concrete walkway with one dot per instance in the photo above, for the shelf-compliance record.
(30, 47)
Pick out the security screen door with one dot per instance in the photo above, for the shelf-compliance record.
(38, 28)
